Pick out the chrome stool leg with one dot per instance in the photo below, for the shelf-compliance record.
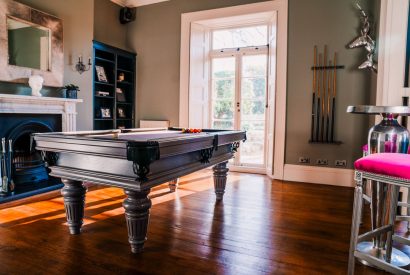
(357, 212)
(394, 198)
(366, 197)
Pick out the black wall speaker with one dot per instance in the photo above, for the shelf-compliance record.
(127, 15)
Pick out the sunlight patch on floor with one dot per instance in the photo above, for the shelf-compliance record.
(102, 198)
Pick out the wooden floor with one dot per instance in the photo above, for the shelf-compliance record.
(260, 227)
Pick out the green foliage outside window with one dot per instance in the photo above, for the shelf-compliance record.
(253, 97)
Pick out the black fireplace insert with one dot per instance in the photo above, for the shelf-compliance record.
(23, 170)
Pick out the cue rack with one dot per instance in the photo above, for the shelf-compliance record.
(324, 92)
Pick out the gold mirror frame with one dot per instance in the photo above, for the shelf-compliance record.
(11, 73)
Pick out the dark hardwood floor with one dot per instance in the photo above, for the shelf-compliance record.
(260, 227)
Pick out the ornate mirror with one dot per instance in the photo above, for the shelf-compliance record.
(31, 43)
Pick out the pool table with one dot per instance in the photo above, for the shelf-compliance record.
(135, 160)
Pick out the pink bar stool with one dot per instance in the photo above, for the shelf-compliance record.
(393, 171)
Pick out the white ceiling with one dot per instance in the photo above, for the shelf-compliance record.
(136, 3)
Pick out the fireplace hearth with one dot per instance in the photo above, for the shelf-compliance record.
(24, 172)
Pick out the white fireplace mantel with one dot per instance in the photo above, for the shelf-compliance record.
(21, 104)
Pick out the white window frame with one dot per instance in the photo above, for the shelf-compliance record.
(264, 9)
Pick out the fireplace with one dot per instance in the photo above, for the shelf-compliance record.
(27, 166)
(23, 168)
(24, 171)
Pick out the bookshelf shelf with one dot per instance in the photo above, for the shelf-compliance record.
(104, 59)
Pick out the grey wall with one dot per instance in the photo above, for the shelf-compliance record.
(155, 35)
(334, 23)
(107, 27)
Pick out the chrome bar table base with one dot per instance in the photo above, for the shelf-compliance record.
(398, 258)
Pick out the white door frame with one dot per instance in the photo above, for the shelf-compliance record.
(392, 52)
(280, 7)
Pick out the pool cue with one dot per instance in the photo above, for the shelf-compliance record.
(312, 130)
(332, 130)
(329, 78)
(318, 101)
(10, 173)
(4, 168)
(324, 94)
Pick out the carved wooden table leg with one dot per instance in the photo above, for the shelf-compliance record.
(220, 174)
(137, 206)
(173, 185)
(74, 201)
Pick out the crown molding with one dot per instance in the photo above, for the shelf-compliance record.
(136, 3)
(121, 3)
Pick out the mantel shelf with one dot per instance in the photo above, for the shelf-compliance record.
(16, 98)
(22, 104)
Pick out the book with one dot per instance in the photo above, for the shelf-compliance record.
(103, 93)
(120, 95)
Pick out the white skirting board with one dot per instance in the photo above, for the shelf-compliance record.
(319, 175)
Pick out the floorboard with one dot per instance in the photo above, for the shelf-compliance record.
(261, 227)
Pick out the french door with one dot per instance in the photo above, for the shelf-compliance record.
(238, 99)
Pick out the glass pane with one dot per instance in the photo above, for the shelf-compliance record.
(254, 65)
(252, 151)
(254, 88)
(223, 93)
(223, 89)
(223, 67)
(223, 109)
(223, 124)
(253, 108)
(240, 37)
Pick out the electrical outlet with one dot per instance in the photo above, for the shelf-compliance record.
(322, 162)
(340, 163)
(304, 160)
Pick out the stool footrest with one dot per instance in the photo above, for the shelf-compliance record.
(367, 198)
(380, 263)
(401, 240)
(371, 234)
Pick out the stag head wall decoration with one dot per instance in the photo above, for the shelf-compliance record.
(364, 40)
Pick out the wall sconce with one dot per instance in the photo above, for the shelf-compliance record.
(80, 67)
